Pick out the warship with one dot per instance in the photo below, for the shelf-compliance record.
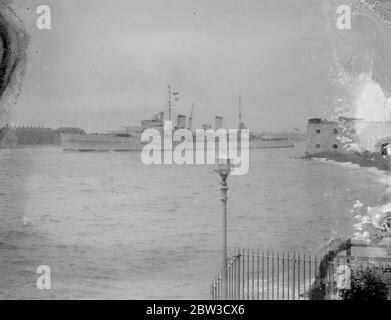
(130, 138)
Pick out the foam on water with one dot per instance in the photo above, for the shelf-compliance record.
(357, 57)
(367, 218)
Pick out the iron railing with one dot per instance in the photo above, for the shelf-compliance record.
(267, 275)
(274, 275)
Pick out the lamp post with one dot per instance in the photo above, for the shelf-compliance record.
(223, 169)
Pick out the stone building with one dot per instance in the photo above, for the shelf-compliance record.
(33, 135)
(7, 137)
(70, 130)
(347, 135)
(11, 136)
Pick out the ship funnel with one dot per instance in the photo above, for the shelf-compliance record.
(218, 123)
(181, 121)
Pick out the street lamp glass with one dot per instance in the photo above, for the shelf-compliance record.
(223, 166)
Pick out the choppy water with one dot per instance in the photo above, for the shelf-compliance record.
(110, 227)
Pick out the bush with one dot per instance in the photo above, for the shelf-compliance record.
(371, 284)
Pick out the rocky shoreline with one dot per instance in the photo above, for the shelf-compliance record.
(366, 159)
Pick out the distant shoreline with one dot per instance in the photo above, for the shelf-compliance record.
(31, 146)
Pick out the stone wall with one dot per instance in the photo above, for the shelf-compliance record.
(370, 134)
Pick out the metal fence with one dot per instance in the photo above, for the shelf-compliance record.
(268, 275)
(274, 275)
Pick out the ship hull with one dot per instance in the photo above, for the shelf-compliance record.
(271, 143)
(99, 142)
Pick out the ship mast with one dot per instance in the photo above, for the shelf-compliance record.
(240, 112)
(170, 105)
(169, 102)
(190, 123)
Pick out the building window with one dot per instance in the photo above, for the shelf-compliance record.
(317, 131)
(317, 146)
(335, 146)
(335, 131)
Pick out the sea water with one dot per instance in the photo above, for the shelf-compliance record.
(109, 226)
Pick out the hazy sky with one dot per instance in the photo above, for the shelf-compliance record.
(106, 64)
